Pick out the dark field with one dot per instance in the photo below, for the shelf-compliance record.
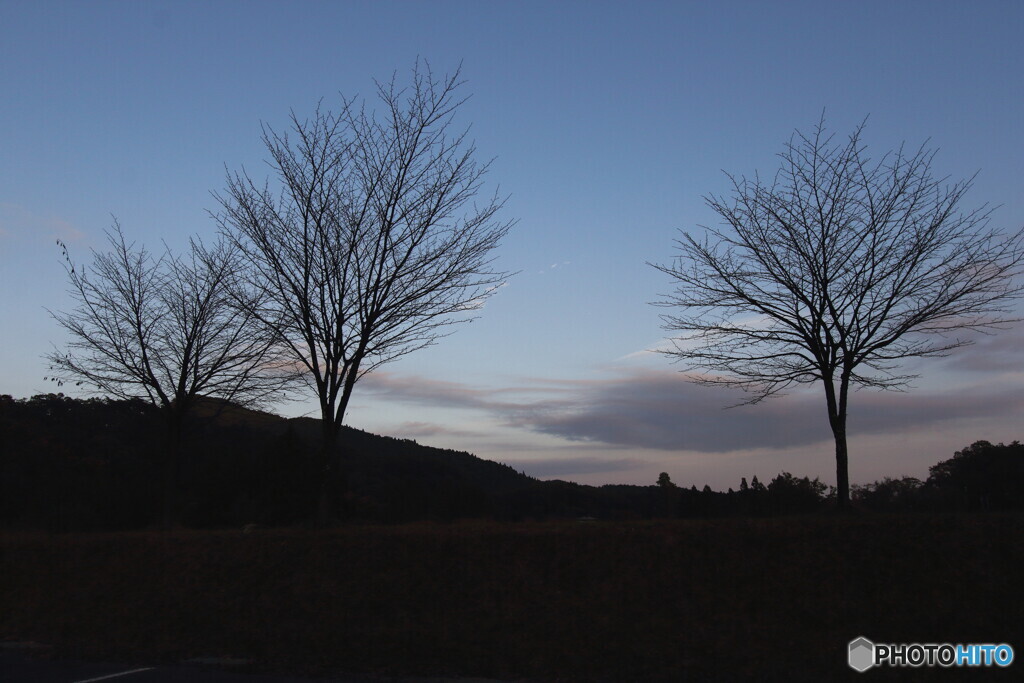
(727, 599)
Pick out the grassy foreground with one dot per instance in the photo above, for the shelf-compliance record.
(692, 600)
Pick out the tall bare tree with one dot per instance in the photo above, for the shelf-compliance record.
(368, 245)
(167, 330)
(836, 271)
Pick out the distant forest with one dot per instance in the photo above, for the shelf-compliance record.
(95, 464)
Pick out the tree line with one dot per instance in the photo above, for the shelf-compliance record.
(94, 464)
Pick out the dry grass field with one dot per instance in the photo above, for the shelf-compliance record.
(730, 599)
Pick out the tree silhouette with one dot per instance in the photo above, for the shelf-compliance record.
(370, 246)
(167, 330)
(981, 476)
(668, 494)
(835, 271)
(889, 493)
(788, 494)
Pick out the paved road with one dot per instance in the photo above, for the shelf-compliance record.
(24, 666)
(28, 666)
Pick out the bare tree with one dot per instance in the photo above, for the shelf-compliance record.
(836, 271)
(370, 245)
(166, 330)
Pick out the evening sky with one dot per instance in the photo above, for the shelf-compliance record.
(607, 123)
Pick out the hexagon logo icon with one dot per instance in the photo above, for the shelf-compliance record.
(862, 654)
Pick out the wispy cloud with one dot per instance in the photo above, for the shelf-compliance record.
(1002, 352)
(553, 266)
(479, 302)
(655, 349)
(417, 390)
(642, 408)
(18, 222)
(561, 467)
(426, 430)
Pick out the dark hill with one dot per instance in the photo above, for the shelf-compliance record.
(373, 456)
(96, 464)
(397, 478)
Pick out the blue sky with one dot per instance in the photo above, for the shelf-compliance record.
(608, 122)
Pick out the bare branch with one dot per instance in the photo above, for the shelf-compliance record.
(836, 271)
(164, 329)
(371, 247)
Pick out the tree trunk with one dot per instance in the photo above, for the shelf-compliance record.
(171, 468)
(334, 483)
(332, 499)
(837, 421)
(842, 467)
(329, 463)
